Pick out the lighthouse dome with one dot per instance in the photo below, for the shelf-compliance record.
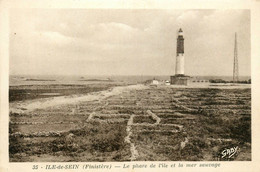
(180, 32)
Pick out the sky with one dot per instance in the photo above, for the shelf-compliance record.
(127, 42)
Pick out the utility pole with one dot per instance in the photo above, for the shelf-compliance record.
(235, 66)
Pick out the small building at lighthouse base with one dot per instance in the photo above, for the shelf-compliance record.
(180, 80)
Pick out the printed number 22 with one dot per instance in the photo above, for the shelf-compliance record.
(35, 167)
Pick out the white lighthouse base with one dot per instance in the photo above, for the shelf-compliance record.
(180, 80)
(179, 70)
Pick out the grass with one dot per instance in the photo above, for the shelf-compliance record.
(144, 119)
(93, 138)
(212, 119)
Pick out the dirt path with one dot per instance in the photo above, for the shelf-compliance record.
(133, 150)
(30, 105)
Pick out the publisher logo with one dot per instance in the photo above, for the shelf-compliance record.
(228, 153)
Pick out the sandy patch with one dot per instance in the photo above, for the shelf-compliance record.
(30, 105)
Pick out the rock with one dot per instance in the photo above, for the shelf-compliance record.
(208, 142)
(215, 148)
(69, 137)
(183, 144)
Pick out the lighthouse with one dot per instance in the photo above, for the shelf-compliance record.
(179, 68)
(179, 78)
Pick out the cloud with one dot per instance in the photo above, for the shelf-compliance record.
(187, 17)
(112, 33)
(55, 38)
(127, 41)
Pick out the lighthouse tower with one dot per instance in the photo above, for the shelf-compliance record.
(179, 78)
(179, 69)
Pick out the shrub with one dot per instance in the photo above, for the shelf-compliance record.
(110, 140)
(241, 129)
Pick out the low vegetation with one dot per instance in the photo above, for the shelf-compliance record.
(182, 125)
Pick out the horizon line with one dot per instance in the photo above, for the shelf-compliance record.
(115, 75)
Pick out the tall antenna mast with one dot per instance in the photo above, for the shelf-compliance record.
(235, 67)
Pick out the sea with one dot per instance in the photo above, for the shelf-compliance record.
(16, 80)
